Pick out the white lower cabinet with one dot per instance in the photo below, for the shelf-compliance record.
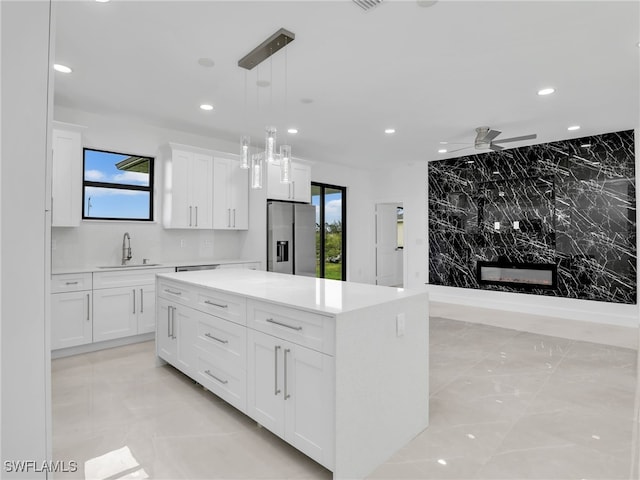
(290, 391)
(123, 304)
(284, 385)
(71, 323)
(71, 310)
(174, 335)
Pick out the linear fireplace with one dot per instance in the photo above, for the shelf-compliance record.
(527, 275)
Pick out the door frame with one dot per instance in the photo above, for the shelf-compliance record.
(397, 202)
(323, 187)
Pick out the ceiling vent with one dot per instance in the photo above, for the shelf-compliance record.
(367, 5)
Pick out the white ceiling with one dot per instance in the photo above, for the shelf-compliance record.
(434, 74)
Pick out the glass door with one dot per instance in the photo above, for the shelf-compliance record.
(330, 203)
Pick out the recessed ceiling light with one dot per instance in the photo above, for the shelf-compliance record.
(389, 131)
(206, 106)
(546, 91)
(61, 68)
(292, 131)
(442, 461)
(442, 150)
(573, 127)
(206, 62)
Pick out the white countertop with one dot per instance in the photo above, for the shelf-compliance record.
(308, 293)
(152, 264)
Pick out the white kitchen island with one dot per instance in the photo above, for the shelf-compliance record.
(339, 370)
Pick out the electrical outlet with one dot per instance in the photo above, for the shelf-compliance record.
(400, 324)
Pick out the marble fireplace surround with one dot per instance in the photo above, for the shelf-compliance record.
(569, 203)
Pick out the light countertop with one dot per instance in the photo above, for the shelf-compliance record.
(151, 265)
(314, 294)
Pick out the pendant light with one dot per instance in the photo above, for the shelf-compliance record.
(258, 162)
(257, 170)
(285, 163)
(245, 140)
(270, 144)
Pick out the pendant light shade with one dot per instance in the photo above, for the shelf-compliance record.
(270, 144)
(257, 170)
(285, 164)
(245, 141)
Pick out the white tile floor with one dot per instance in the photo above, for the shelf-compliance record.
(504, 404)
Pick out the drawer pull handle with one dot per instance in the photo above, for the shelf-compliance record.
(172, 292)
(271, 320)
(215, 338)
(216, 304)
(71, 283)
(224, 382)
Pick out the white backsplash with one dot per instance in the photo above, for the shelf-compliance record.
(100, 243)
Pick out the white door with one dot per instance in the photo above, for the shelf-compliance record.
(309, 399)
(114, 313)
(386, 244)
(146, 309)
(265, 381)
(70, 319)
(166, 346)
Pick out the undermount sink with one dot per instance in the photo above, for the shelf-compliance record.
(131, 265)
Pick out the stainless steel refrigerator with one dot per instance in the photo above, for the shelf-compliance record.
(291, 238)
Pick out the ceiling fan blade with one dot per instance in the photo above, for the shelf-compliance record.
(495, 148)
(518, 139)
(491, 135)
(458, 149)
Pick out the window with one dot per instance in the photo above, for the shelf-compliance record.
(117, 186)
(331, 240)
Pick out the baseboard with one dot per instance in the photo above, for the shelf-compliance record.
(569, 308)
(94, 347)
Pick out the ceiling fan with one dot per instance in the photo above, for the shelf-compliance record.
(485, 140)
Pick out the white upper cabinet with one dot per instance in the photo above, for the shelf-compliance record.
(188, 187)
(299, 190)
(66, 177)
(230, 194)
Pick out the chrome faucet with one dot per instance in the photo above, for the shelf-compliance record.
(126, 248)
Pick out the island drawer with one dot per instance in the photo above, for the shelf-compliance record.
(222, 339)
(175, 292)
(227, 381)
(71, 282)
(224, 305)
(298, 326)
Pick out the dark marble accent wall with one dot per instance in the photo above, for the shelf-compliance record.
(573, 203)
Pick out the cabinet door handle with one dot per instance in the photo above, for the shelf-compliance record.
(234, 217)
(228, 217)
(190, 208)
(224, 382)
(141, 301)
(286, 392)
(216, 304)
(275, 354)
(172, 292)
(168, 322)
(208, 335)
(196, 215)
(271, 320)
(293, 187)
(88, 308)
(134, 300)
(173, 322)
(71, 283)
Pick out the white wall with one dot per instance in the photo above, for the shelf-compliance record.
(24, 293)
(100, 242)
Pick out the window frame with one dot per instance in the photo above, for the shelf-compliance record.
(119, 186)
